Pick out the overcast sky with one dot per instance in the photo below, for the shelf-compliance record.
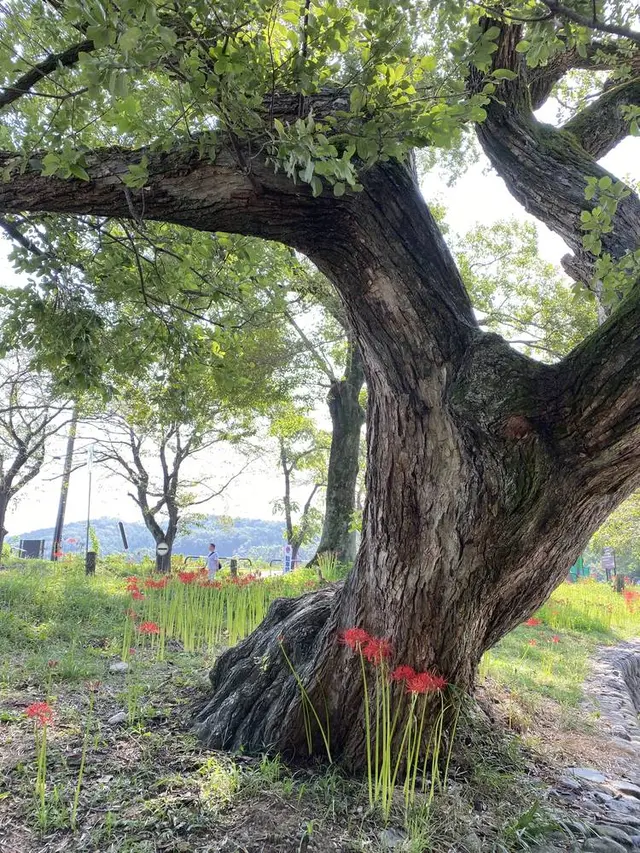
(480, 196)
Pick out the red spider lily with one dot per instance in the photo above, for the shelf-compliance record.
(58, 554)
(402, 673)
(532, 643)
(533, 622)
(150, 583)
(41, 712)
(555, 639)
(149, 628)
(377, 650)
(187, 577)
(355, 638)
(132, 651)
(425, 682)
(137, 595)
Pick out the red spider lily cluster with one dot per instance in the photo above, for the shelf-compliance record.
(632, 598)
(533, 622)
(132, 586)
(40, 712)
(418, 682)
(355, 638)
(188, 577)
(377, 650)
(150, 583)
(149, 628)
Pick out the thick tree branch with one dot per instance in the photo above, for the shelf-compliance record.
(601, 401)
(600, 126)
(546, 168)
(360, 241)
(600, 56)
(592, 23)
(23, 85)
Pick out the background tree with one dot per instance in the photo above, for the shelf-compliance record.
(302, 452)
(247, 122)
(620, 531)
(154, 458)
(30, 414)
(158, 429)
(333, 351)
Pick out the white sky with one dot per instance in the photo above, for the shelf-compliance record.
(480, 196)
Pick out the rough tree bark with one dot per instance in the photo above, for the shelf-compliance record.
(546, 168)
(4, 503)
(477, 456)
(347, 418)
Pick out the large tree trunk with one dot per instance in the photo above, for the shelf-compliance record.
(4, 503)
(347, 418)
(478, 457)
(486, 473)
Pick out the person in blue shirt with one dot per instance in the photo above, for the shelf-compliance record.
(213, 562)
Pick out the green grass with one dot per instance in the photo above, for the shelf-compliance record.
(149, 786)
(532, 667)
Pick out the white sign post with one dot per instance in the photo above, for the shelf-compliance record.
(287, 560)
(162, 549)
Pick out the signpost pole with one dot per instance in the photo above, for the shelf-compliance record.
(162, 563)
(286, 562)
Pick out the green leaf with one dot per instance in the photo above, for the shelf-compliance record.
(523, 46)
(78, 172)
(51, 164)
(129, 39)
(504, 74)
(339, 189)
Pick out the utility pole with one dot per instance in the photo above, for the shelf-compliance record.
(64, 489)
(90, 556)
(90, 469)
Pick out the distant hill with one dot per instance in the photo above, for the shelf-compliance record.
(243, 537)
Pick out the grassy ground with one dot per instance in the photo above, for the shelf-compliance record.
(148, 786)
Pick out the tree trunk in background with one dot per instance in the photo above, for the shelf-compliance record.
(347, 418)
(4, 503)
(64, 488)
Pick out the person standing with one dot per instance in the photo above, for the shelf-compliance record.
(213, 561)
